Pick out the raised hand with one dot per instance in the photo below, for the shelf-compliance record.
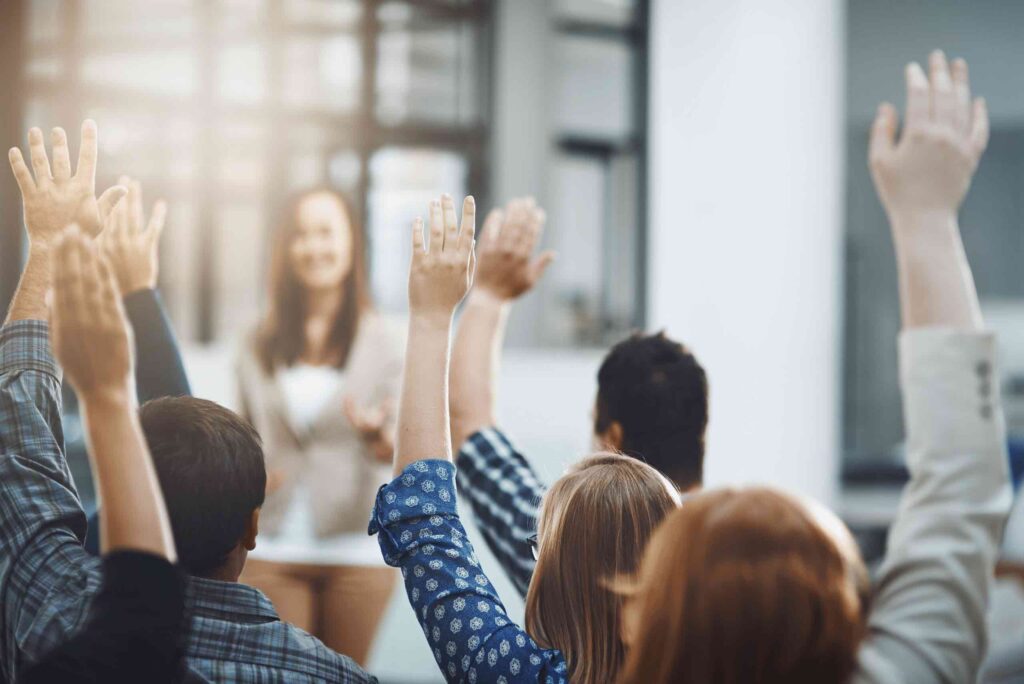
(442, 272)
(944, 134)
(55, 199)
(374, 426)
(130, 245)
(506, 268)
(90, 333)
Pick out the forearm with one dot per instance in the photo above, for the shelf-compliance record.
(935, 281)
(423, 408)
(476, 358)
(159, 369)
(29, 302)
(134, 516)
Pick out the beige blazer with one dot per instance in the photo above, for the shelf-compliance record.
(329, 458)
(927, 619)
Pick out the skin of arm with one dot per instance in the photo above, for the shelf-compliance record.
(439, 278)
(506, 270)
(92, 341)
(52, 200)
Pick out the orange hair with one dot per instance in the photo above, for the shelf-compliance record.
(747, 586)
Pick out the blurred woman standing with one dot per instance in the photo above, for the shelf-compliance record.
(317, 378)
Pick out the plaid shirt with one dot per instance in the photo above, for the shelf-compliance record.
(47, 580)
(505, 495)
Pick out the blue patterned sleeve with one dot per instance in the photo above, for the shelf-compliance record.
(473, 640)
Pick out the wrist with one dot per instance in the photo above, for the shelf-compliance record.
(484, 297)
(117, 396)
(431, 320)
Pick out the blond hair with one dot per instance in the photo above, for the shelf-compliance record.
(594, 524)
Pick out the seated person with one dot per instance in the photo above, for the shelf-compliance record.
(753, 585)
(601, 513)
(652, 397)
(208, 461)
(135, 627)
(749, 585)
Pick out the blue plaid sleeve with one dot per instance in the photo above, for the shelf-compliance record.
(41, 518)
(464, 621)
(505, 494)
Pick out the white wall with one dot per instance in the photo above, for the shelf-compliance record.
(745, 172)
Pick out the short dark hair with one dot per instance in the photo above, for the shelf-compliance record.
(210, 465)
(655, 389)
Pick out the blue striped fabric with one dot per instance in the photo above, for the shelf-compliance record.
(505, 495)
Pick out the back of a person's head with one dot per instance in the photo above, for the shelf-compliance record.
(657, 392)
(593, 526)
(746, 587)
(210, 465)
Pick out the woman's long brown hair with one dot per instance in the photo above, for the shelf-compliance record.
(280, 340)
(747, 586)
(594, 524)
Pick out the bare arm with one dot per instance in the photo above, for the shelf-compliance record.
(92, 340)
(505, 271)
(439, 277)
(51, 200)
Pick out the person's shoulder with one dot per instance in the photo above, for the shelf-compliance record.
(384, 332)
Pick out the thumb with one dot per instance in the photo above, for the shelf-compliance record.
(542, 263)
(109, 199)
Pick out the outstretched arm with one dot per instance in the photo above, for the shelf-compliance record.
(415, 516)
(52, 200)
(506, 270)
(92, 341)
(499, 482)
(131, 246)
(927, 620)
(439, 277)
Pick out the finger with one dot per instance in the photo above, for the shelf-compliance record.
(541, 264)
(417, 237)
(61, 155)
(491, 228)
(467, 233)
(73, 297)
(883, 134)
(109, 199)
(136, 212)
(918, 99)
(451, 222)
(436, 227)
(21, 172)
(512, 229)
(111, 293)
(87, 153)
(943, 99)
(979, 126)
(962, 95)
(37, 151)
(535, 219)
(155, 228)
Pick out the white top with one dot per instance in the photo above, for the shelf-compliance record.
(306, 390)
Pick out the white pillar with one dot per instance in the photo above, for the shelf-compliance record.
(745, 241)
